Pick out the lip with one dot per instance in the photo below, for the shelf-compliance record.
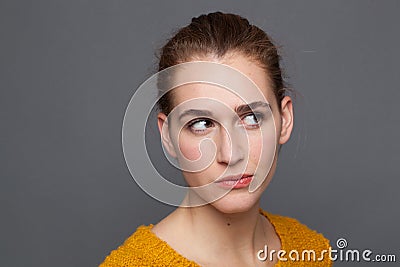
(235, 181)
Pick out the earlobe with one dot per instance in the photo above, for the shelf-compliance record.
(287, 119)
(163, 127)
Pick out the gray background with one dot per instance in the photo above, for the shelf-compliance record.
(69, 68)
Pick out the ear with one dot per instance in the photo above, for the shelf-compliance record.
(163, 127)
(287, 119)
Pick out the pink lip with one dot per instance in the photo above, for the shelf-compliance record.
(235, 181)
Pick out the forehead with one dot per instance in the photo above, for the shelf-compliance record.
(227, 96)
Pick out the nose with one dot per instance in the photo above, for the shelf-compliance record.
(229, 150)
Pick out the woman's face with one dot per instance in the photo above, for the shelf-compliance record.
(225, 142)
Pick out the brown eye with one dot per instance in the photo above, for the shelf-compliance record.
(200, 125)
(252, 120)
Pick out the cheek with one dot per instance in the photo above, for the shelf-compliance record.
(194, 179)
(189, 147)
(261, 147)
(255, 148)
(195, 153)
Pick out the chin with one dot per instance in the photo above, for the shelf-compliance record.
(236, 202)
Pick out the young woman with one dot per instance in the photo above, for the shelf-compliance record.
(239, 132)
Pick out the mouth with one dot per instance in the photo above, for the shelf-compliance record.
(236, 181)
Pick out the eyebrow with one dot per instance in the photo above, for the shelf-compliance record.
(195, 113)
(248, 107)
(239, 110)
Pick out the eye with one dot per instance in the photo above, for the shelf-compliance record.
(200, 125)
(252, 120)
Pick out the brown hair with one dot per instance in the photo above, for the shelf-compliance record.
(215, 34)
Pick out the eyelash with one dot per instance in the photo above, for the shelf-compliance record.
(193, 122)
(258, 116)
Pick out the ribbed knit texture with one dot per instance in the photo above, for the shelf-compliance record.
(144, 248)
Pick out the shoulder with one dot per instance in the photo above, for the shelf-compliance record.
(296, 236)
(144, 248)
(133, 250)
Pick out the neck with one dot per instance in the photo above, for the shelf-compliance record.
(228, 234)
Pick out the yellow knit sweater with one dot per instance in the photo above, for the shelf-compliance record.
(144, 248)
